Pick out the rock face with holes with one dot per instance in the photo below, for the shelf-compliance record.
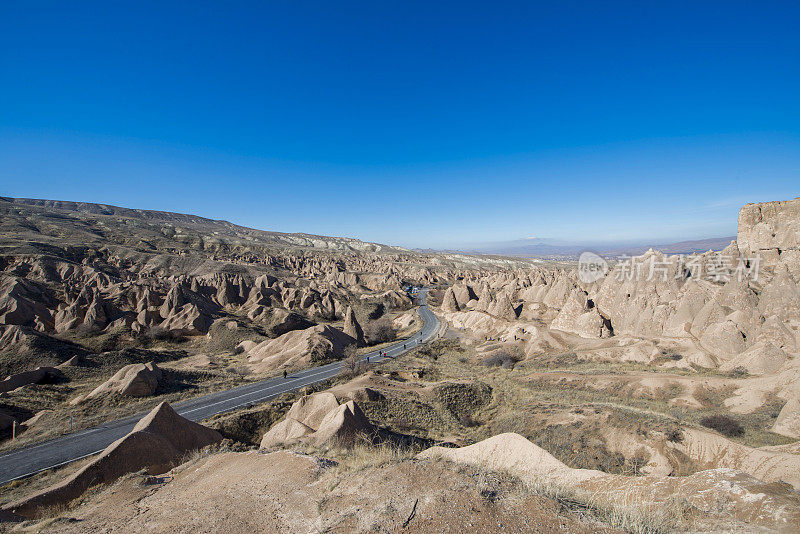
(772, 229)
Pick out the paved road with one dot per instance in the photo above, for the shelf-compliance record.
(30, 460)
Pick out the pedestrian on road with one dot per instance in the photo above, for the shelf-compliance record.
(367, 359)
(284, 373)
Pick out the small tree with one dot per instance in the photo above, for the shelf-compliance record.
(351, 362)
(380, 331)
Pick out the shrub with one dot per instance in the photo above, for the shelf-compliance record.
(639, 460)
(319, 352)
(242, 370)
(87, 330)
(352, 365)
(378, 312)
(380, 331)
(505, 358)
(159, 333)
(723, 424)
(466, 420)
(739, 372)
(675, 435)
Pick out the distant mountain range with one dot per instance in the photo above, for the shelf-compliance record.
(544, 248)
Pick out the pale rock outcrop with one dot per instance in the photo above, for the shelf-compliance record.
(502, 308)
(319, 420)
(760, 359)
(188, 320)
(401, 322)
(299, 348)
(449, 302)
(577, 316)
(711, 451)
(737, 295)
(23, 303)
(283, 321)
(182, 312)
(342, 426)
(174, 300)
(40, 418)
(781, 296)
(312, 409)
(393, 299)
(788, 421)
(775, 332)
(68, 317)
(285, 432)
(96, 314)
(228, 293)
(484, 297)
(723, 339)
(463, 294)
(134, 380)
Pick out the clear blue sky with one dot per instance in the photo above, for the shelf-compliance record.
(415, 123)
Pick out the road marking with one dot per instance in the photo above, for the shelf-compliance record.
(56, 465)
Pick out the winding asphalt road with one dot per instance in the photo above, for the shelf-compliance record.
(68, 448)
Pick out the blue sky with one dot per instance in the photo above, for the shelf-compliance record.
(406, 122)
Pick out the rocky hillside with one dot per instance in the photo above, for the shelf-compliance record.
(86, 223)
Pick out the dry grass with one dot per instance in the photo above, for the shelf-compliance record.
(668, 392)
(594, 508)
(637, 519)
(713, 397)
(362, 453)
(633, 518)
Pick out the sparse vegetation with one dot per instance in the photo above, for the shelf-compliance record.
(377, 312)
(711, 397)
(739, 372)
(505, 358)
(723, 424)
(380, 331)
(352, 365)
(675, 435)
